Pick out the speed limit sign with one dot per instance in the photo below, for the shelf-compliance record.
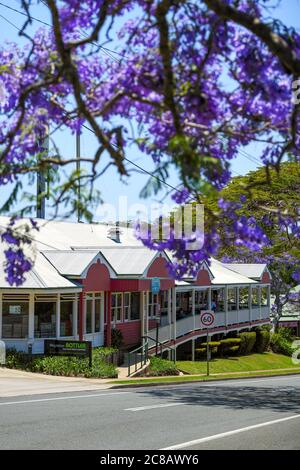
(207, 318)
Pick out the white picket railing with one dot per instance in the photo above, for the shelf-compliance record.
(191, 323)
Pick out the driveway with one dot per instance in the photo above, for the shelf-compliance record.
(14, 383)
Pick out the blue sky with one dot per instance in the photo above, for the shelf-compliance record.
(110, 185)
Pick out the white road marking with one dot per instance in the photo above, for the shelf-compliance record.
(239, 382)
(229, 433)
(152, 407)
(38, 400)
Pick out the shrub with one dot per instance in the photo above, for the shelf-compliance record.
(285, 333)
(247, 342)
(213, 346)
(262, 343)
(234, 350)
(64, 366)
(227, 345)
(15, 359)
(116, 338)
(281, 345)
(160, 367)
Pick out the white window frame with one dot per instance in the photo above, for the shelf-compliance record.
(117, 307)
(92, 297)
(128, 306)
(152, 305)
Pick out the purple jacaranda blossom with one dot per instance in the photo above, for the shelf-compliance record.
(229, 90)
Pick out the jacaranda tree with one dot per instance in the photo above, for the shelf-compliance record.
(200, 80)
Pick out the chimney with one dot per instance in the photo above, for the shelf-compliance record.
(114, 233)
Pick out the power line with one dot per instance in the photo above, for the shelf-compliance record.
(106, 50)
(149, 173)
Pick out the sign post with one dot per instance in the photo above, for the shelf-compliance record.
(155, 288)
(2, 353)
(207, 319)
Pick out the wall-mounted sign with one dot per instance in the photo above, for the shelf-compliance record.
(15, 310)
(207, 318)
(57, 347)
(155, 285)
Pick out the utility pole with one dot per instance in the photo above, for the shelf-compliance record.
(41, 180)
(78, 157)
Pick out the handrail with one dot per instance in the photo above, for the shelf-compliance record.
(143, 350)
(162, 346)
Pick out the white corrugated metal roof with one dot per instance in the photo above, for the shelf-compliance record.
(254, 271)
(129, 261)
(42, 276)
(70, 263)
(60, 235)
(74, 245)
(223, 275)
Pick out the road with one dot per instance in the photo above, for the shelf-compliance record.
(259, 413)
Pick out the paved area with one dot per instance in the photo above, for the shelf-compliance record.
(261, 413)
(19, 383)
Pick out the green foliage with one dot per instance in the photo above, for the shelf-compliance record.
(233, 350)
(285, 333)
(211, 344)
(116, 338)
(281, 345)
(283, 191)
(160, 367)
(247, 342)
(262, 343)
(229, 346)
(281, 342)
(64, 366)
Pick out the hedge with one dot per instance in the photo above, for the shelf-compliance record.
(229, 345)
(262, 343)
(281, 345)
(247, 342)
(64, 366)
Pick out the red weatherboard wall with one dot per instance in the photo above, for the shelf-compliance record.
(203, 278)
(97, 278)
(131, 332)
(266, 278)
(158, 268)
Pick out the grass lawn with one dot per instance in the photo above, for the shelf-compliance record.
(253, 362)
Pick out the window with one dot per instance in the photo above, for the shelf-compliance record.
(135, 306)
(201, 300)
(66, 318)
(116, 307)
(255, 297)
(93, 312)
(15, 312)
(45, 319)
(232, 295)
(217, 300)
(126, 306)
(152, 305)
(163, 300)
(264, 296)
(243, 298)
(97, 313)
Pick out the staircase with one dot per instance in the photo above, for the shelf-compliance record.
(137, 359)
